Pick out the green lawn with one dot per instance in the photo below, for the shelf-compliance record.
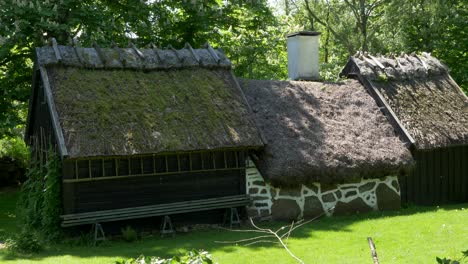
(415, 235)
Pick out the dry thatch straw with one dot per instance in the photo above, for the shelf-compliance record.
(322, 132)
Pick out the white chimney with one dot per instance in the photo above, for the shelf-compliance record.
(303, 55)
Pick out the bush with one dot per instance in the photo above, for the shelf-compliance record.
(40, 204)
(191, 257)
(129, 234)
(14, 158)
(27, 241)
(15, 148)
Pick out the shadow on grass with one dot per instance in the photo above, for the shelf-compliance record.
(153, 245)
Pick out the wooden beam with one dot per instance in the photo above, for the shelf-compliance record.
(195, 56)
(53, 114)
(58, 56)
(212, 53)
(146, 175)
(386, 109)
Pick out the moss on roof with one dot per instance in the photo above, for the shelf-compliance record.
(420, 91)
(122, 112)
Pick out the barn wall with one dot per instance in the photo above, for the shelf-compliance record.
(440, 176)
(314, 200)
(150, 190)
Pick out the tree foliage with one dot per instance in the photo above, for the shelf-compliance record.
(251, 34)
(247, 30)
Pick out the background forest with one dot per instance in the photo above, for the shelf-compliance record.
(251, 33)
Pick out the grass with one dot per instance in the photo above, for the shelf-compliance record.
(414, 235)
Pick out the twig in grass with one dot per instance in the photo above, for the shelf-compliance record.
(270, 234)
(373, 251)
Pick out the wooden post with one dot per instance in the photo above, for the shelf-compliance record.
(373, 250)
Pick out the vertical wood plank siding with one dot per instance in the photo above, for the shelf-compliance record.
(440, 176)
(139, 191)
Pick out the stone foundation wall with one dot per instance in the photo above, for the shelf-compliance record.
(311, 201)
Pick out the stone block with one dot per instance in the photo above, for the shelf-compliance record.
(328, 198)
(290, 192)
(350, 193)
(354, 206)
(366, 187)
(253, 190)
(285, 209)
(312, 207)
(259, 183)
(387, 199)
(338, 194)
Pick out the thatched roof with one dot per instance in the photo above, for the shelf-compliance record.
(421, 93)
(121, 102)
(322, 132)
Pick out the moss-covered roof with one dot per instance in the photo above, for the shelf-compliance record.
(421, 93)
(121, 112)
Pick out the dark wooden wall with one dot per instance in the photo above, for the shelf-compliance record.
(440, 176)
(42, 137)
(149, 190)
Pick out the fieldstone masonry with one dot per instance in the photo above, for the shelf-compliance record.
(311, 201)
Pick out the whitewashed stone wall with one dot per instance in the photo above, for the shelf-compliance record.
(313, 200)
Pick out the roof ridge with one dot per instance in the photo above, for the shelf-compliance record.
(403, 66)
(132, 57)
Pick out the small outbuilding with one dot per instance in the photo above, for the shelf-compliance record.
(140, 127)
(430, 112)
(328, 149)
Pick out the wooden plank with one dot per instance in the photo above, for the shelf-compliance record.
(150, 190)
(121, 217)
(144, 175)
(458, 174)
(445, 173)
(423, 179)
(403, 190)
(465, 173)
(435, 161)
(412, 187)
(450, 174)
(169, 207)
(462, 173)
(158, 209)
(53, 112)
(191, 203)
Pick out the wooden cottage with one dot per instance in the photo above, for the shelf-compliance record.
(328, 149)
(430, 112)
(141, 127)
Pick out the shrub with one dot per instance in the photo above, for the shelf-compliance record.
(129, 234)
(40, 204)
(14, 158)
(27, 241)
(191, 257)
